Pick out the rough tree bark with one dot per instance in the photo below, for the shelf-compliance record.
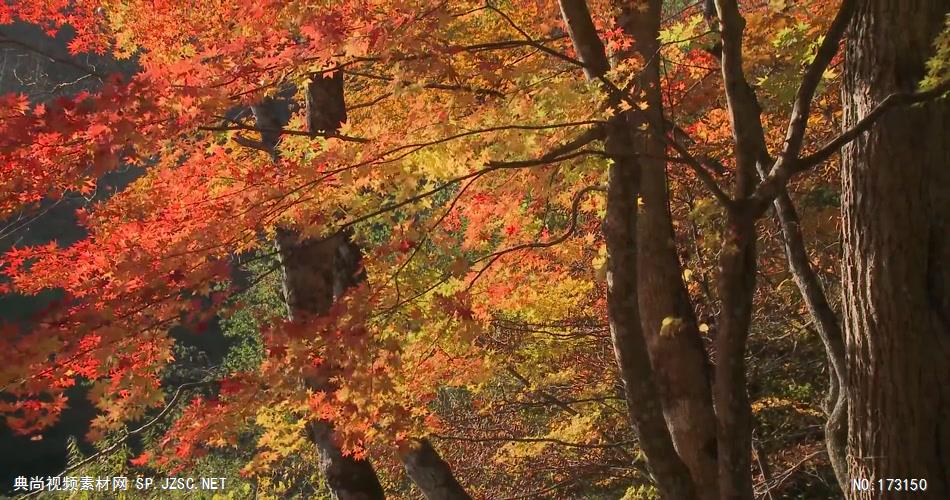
(896, 269)
(669, 321)
(643, 400)
(620, 231)
(737, 271)
(429, 472)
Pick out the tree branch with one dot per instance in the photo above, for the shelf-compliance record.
(704, 176)
(284, 131)
(801, 109)
(784, 165)
(585, 138)
(587, 44)
(829, 330)
(503, 439)
(864, 124)
(431, 86)
(4, 38)
(744, 109)
(530, 40)
(575, 208)
(168, 407)
(777, 179)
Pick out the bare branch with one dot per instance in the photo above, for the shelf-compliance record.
(431, 86)
(512, 439)
(575, 208)
(744, 109)
(168, 407)
(863, 125)
(585, 138)
(533, 43)
(283, 131)
(704, 176)
(801, 109)
(419, 145)
(4, 38)
(777, 179)
(786, 163)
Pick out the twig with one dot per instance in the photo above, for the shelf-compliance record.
(121, 440)
(4, 38)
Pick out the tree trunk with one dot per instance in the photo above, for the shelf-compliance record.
(669, 322)
(430, 473)
(315, 274)
(644, 404)
(643, 401)
(896, 269)
(737, 266)
(737, 270)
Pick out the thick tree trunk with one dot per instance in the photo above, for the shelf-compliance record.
(430, 473)
(669, 321)
(643, 401)
(896, 283)
(314, 273)
(346, 477)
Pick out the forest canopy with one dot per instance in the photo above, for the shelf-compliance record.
(358, 249)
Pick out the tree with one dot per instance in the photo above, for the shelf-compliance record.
(314, 274)
(502, 184)
(895, 190)
(317, 272)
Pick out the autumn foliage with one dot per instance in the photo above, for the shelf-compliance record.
(471, 172)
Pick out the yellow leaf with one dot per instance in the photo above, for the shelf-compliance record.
(670, 325)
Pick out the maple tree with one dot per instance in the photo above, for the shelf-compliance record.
(526, 232)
